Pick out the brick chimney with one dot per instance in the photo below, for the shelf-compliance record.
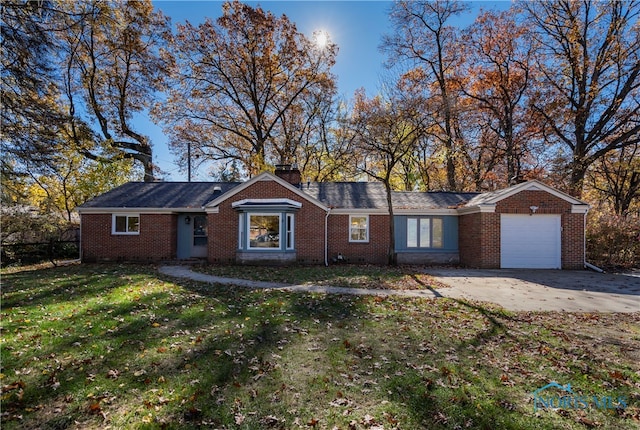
(290, 173)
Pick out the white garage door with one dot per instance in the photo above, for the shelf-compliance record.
(530, 241)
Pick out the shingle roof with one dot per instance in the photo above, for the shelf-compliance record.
(343, 195)
(369, 195)
(159, 195)
(372, 195)
(430, 200)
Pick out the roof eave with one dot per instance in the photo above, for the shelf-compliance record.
(483, 208)
(265, 176)
(110, 210)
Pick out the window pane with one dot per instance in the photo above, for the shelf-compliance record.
(200, 241)
(264, 231)
(133, 223)
(199, 225)
(121, 224)
(412, 232)
(425, 233)
(241, 231)
(437, 233)
(289, 231)
(359, 228)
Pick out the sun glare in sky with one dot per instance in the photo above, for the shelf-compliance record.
(321, 38)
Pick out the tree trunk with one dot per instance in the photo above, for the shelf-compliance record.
(392, 257)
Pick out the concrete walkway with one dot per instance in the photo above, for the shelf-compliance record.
(543, 290)
(514, 290)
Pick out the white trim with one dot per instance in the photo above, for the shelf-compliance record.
(365, 211)
(241, 229)
(579, 209)
(126, 217)
(265, 176)
(273, 202)
(425, 212)
(477, 209)
(532, 185)
(155, 211)
(368, 228)
(289, 246)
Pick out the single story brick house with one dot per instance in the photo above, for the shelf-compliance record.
(276, 219)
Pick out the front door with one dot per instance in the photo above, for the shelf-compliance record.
(199, 241)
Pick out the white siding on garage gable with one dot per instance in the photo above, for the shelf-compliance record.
(530, 241)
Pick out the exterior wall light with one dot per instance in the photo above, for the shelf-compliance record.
(187, 220)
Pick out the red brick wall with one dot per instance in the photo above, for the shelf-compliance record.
(479, 240)
(521, 202)
(572, 241)
(479, 233)
(157, 239)
(374, 252)
(308, 227)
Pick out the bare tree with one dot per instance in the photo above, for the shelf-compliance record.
(28, 100)
(425, 39)
(114, 67)
(616, 176)
(588, 92)
(496, 79)
(386, 130)
(245, 85)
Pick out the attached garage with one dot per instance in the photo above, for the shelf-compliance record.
(530, 241)
(529, 225)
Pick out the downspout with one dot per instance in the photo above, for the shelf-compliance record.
(584, 248)
(326, 238)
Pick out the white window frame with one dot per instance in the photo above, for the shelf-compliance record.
(289, 232)
(241, 222)
(367, 228)
(124, 233)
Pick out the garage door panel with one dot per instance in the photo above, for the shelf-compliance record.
(530, 241)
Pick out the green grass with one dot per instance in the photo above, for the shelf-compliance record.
(347, 275)
(94, 346)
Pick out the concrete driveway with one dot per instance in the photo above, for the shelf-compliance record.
(543, 290)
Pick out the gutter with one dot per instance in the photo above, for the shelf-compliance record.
(326, 238)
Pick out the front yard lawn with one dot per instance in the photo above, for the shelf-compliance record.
(120, 346)
(346, 275)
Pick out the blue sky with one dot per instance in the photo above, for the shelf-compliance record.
(355, 26)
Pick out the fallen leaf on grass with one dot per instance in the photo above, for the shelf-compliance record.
(340, 401)
(368, 420)
(95, 408)
(587, 422)
(270, 421)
